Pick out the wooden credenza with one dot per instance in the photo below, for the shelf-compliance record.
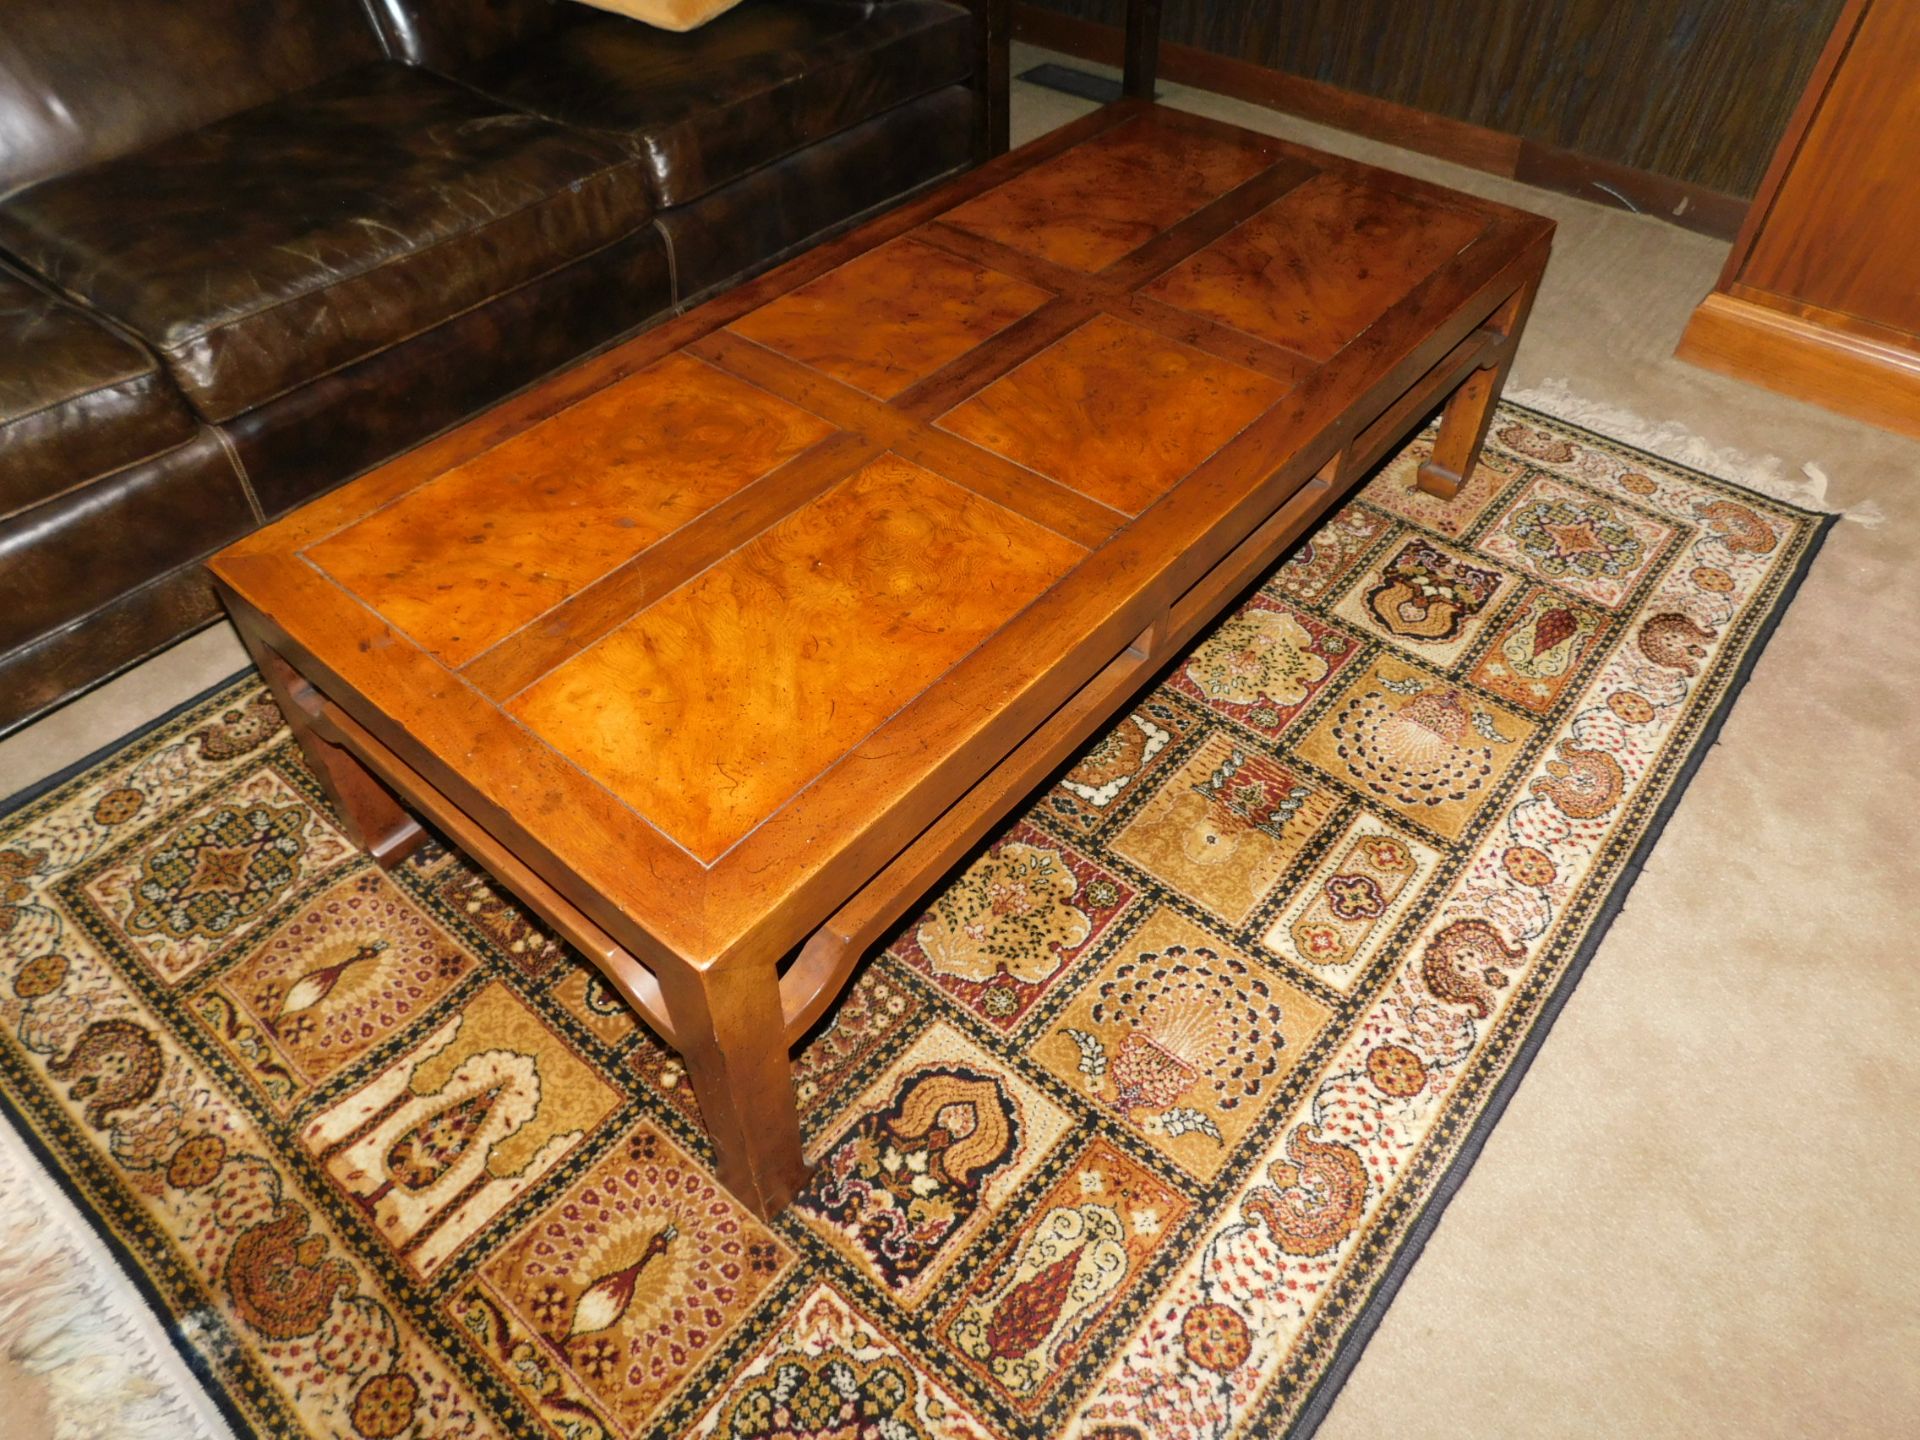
(1820, 298)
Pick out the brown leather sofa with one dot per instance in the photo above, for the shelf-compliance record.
(250, 247)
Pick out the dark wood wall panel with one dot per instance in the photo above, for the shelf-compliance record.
(1699, 90)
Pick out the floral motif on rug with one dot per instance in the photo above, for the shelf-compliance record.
(1119, 1138)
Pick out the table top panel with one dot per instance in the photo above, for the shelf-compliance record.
(710, 625)
(468, 558)
(892, 317)
(1104, 199)
(1319, 265)
(1114, 411)
(711, 708)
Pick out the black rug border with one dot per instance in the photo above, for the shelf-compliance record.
(119, 1253)
(1353, 1344)
(47, 784)
(1359, 1334)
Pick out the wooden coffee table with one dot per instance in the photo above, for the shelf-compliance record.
(719, 649)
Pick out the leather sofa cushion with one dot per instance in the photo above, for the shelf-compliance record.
(86, 80)
(759, 83)
(259, 253)
(77, 399)
(67, 558)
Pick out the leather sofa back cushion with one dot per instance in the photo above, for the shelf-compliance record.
(666, 14)
(759, 83)
(88, 80)
(447, 34)
(261, 252)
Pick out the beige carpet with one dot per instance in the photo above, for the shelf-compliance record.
(1697, 1216)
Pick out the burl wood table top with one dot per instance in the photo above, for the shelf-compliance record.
(709, 628)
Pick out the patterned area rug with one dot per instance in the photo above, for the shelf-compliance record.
(1130, 1135)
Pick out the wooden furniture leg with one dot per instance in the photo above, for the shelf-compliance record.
(1468, 413)
(367, 810)
(993, 37)
(730, 1031)
(1142, 62)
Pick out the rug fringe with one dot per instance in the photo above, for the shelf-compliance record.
(68, 1316)
(1673, 441)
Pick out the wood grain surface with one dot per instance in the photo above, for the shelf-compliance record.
(1697, 90)
(1113, 195)
(782, 603)
(1116, 412)
(471, 556)
(1820, 297)
(715, 706)
(1838, 232)
(1319, 265)
(893, 317)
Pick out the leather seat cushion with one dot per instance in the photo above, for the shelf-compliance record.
(261, 252)
(757, 84)
(77, 399)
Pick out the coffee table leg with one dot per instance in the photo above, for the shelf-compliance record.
(367, 811)
(732, 1033)
(1464, 422)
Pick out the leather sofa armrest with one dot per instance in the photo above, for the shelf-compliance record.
(452, 35)
(992, 39)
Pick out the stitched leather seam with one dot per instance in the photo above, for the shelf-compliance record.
(101, 477)
(673, 263)
(240, 471)
(866, 46)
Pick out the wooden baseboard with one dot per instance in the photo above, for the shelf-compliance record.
(1855, 376)
(1694, 207)
(1679, 202)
